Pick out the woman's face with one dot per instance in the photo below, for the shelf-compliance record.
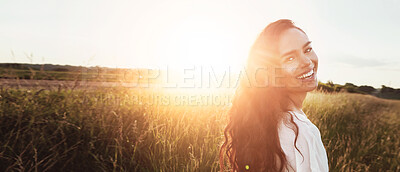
(298, 62)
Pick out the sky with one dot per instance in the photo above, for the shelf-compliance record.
(356, 41)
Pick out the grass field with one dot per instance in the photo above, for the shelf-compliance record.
(118, 129)
(83, 74)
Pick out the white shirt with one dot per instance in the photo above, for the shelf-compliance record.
(308, 142)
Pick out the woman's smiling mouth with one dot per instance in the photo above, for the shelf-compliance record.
(307, 75)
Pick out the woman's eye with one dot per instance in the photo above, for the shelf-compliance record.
(308, 50)
(290, 58)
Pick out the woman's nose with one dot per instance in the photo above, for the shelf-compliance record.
(306, 61)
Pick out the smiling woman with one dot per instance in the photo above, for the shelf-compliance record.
(268, 130)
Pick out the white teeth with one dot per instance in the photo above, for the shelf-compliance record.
(306, 75)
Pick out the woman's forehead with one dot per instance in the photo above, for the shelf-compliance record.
(291, 40)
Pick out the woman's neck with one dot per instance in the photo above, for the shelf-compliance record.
(296, 100)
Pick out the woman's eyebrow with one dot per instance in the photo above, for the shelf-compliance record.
(306, 44)
(293, 51)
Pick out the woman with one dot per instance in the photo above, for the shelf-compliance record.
(268, 131)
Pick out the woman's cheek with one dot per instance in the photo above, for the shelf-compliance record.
(292, 70)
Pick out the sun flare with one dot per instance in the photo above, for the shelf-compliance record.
(198, 41)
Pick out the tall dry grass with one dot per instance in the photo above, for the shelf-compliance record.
(126, 130)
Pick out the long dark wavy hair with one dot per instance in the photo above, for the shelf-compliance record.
(251, 136)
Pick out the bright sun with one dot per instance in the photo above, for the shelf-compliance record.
(197, 42)
(201, 48)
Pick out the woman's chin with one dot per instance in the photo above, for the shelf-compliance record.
(310, 86)
(299, 85)
(303, 86)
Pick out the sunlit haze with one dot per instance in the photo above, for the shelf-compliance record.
(356, 41)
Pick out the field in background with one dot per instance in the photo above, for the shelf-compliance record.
(44, 75)
(74, 73)
(121, 129)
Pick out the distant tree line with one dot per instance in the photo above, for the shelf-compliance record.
(64, 72)
(383, 92)
(45, 67)
(72, 73)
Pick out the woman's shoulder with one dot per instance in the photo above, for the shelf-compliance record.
(291, 118)
(306, 130)
(313, 155)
